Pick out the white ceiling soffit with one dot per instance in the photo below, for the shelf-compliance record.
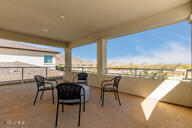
(4, 34)
(167, 17)
(84, 21)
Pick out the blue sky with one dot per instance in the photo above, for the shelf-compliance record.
(158, 39)
(169, 44)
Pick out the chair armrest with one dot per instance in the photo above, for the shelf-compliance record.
(45, 79)
(47, 82)
(107, 85)
(105, 81)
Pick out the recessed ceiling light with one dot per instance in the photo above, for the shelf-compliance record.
(62, 17)
(45, 30)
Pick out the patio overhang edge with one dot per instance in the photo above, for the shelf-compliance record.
(9, 35)
(164, 18)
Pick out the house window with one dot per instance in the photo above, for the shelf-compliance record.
(48, 59)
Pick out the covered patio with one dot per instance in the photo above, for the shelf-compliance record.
(18, 100)
(69, 24)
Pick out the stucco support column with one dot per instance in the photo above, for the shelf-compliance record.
(68, 62)
(101, 56)
(190, 22)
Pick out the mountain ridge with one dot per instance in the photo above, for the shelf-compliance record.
(60, 60)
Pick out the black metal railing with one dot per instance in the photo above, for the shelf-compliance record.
(152, 73)
(142, 72)
(84, 69)
(23, 74)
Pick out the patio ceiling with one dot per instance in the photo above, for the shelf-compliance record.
(78, 22)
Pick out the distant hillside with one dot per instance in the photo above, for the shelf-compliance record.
(60, 59)
(157, 66)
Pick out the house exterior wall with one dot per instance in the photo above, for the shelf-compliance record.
(25, 56)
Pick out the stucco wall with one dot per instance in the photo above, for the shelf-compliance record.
(181, 94)
(25, 56)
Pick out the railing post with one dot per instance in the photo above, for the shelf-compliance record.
(22, 75)
(63, 72)
(46, 72)
(135, 72)
(186, 74)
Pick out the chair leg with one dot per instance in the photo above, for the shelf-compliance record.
(36, 97)
(42, 95)
(53, 95)
(115, 95)
(57, 114)
(79, 114)
(62, 107)
(102, 98)
(118, 98)
(101, 94)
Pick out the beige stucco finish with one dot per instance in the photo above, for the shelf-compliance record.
(31, 39)
(85, 21)
(68, 61)
(35, 58)
(101, 56)
(181, 94)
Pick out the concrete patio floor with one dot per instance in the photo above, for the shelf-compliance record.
(16, 104)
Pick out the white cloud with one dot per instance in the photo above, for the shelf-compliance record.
(174, 53)
(185, 38)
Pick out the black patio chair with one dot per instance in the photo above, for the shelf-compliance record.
(81, 78)
(67, 92)
(110, 86)
(42, 85)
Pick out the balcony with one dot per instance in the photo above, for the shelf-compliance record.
(148, 99)
(17, 105)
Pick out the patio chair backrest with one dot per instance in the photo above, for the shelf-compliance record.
(40, 80)
(68, 91)
(116, 81)
(82, 76)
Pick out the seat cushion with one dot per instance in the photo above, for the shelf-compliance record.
(47, 87)
(110, 89)
(82, 82)
(69, 101)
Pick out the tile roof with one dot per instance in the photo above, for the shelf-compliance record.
(19, 45)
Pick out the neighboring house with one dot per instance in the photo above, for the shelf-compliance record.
(11, 51)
